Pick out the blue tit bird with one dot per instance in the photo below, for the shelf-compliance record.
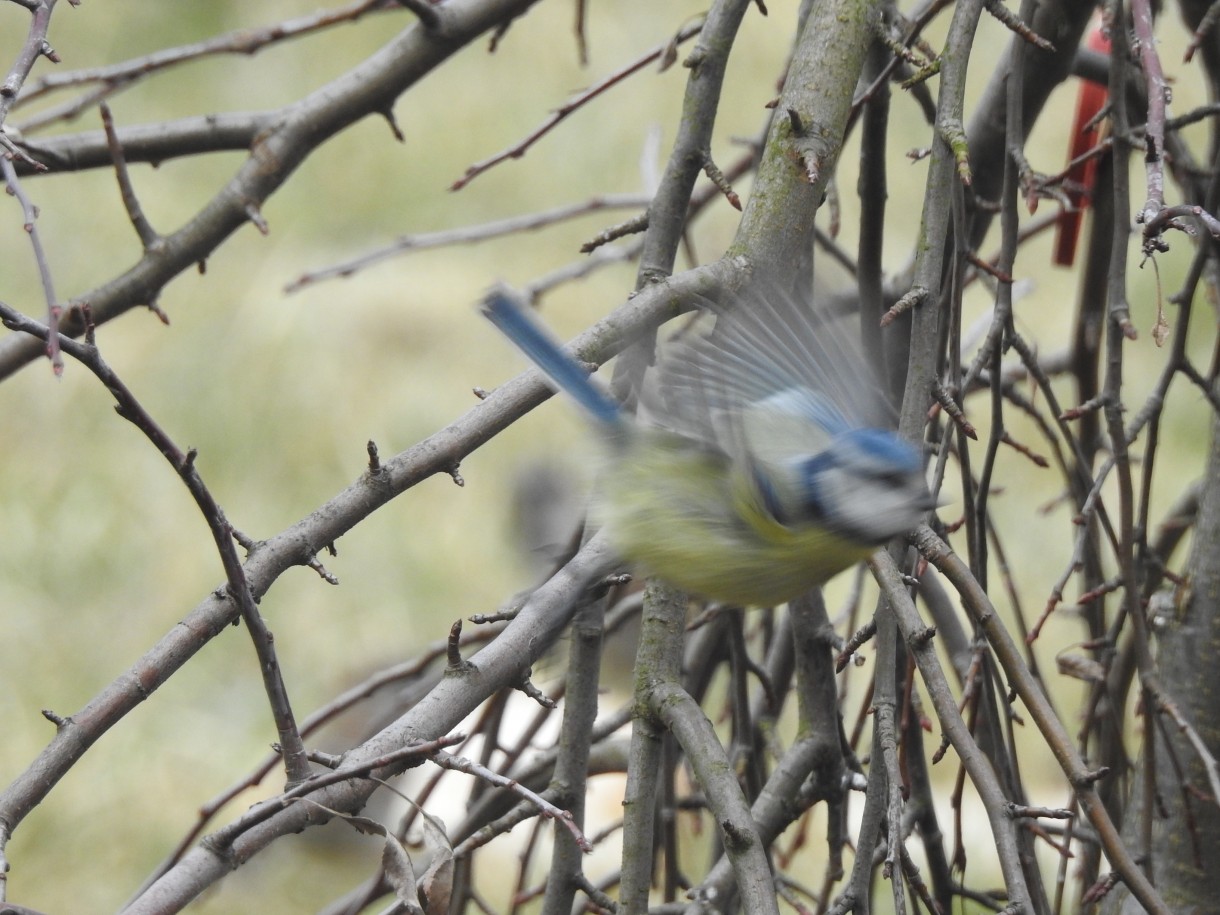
(759, 464)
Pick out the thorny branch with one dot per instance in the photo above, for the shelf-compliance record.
(753, 775)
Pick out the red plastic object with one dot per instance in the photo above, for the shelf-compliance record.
(1080, 180)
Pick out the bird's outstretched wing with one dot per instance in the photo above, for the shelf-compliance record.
(763, 370)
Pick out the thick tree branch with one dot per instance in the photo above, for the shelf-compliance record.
(281, 142)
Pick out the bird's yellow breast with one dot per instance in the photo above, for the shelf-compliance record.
(683, 514)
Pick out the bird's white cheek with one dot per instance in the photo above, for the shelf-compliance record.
(841, 500)
(866, 514)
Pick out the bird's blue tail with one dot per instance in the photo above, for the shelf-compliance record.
(568, 375)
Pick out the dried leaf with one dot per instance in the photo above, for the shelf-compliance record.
(669, 55)
(436, 885)
(396, 863)
(437, 882)
(1160, 330)
(1081, 668)
(366, 826)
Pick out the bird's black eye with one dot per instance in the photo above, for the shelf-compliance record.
(895, 479)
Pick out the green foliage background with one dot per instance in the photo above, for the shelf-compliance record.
(102, 549)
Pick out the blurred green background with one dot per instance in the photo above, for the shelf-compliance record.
(103, 550)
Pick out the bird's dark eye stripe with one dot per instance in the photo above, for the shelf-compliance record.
(893, 478)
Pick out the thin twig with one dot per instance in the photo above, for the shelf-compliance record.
(469, 234)
(244, 42)
(548, 810)
(296, 765)
(518, 149)
(54, 309)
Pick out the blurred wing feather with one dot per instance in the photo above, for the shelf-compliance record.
(763, 349)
